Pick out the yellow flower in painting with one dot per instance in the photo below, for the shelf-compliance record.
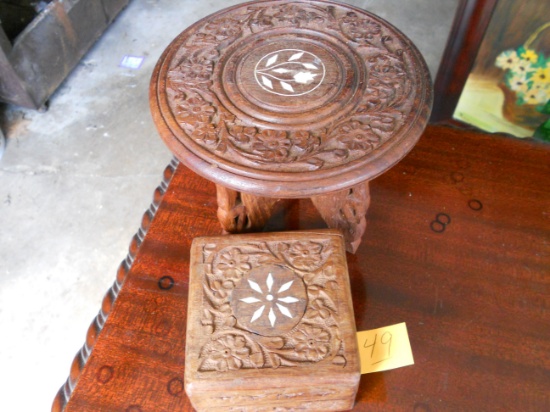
(507, 60)
(542, 75)
(530, 55)
(535, 97)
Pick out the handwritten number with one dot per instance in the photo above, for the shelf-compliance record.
(388, 340)
(372, 345)
(385, 352)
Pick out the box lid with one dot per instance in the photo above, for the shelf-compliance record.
(270, 311)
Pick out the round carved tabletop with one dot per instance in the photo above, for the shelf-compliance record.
(290, 98)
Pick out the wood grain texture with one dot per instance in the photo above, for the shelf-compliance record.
(457, 248)
(240, 212)
(278, 99)
(270, 323)
(108, 301)
(290, 99)
(346, 210)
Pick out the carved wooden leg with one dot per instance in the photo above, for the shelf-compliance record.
(241, 212)
(346, 210)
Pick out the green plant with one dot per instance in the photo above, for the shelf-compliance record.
(543, 131)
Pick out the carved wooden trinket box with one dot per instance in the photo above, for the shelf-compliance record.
(270, 323)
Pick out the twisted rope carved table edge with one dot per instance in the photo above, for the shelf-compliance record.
(64, 393)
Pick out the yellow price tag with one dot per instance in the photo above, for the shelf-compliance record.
(384, 348)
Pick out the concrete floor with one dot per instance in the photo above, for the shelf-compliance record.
(75, 181)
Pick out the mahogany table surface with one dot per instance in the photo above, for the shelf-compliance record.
(457, 246)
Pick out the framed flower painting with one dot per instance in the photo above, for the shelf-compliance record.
(508, 88)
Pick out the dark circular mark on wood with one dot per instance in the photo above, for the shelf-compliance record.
(105, 374)
(443, 218)
(457, 177)
(134, 408)
(437, 227)
(175, 386)
(440, 223)
(166, 283)
(475, 204)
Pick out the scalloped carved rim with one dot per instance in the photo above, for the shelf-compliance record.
(381, 128)
(64, 393)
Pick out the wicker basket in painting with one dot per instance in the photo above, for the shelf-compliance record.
(526, 84)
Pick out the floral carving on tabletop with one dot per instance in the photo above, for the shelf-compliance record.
(360, 29)
(194, 110)
(243, 135)
(298, 15)
(379, 115)
(358, 136)
(304, 141)
(271, 144)
(223, 29)
(206, 133)
(268, 145)
(314, 335)
(193, 71)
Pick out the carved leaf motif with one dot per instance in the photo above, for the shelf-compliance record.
(295, 56)
(255, 286)
(257, 313)
(272, 317)
(286, 286)
(287, 86)
(269, 282)
(250, 300)
(267, 82)
(271, 342)
(288, 299)
(310, 66)
(272, 60)
(284, 310)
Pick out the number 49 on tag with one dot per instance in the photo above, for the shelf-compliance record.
(384, 348)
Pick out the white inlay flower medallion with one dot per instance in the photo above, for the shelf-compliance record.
(290, 72)
(270, 300)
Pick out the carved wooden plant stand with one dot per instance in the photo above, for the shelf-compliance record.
(291, 99)
(270, 323)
